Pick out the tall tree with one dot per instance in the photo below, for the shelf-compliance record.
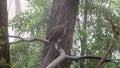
(84, 38)
(18, 6)
(63, 11)
(17, 10)
(4, 46)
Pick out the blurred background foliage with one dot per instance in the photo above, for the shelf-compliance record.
(91, 37)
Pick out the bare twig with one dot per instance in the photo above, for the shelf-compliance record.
(31, 40)
(110, 48)
(85, 57)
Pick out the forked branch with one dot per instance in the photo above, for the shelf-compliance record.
(63, 57)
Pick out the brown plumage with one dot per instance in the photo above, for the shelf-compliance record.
(57, 32)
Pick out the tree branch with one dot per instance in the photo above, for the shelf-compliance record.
(31, 40)
(59, 59)
(110, 48)
(63, 56)
(85, 57)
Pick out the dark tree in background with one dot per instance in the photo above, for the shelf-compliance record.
(84, 39)
(4, 47)
(63, 11)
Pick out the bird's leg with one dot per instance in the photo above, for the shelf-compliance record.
(47, 41)
(59, 40)
(56, 46)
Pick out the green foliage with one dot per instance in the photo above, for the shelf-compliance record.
(2, 41)
(34, 19)
(31, 24)
(111, 65)
(98, 30)
(3, 62)
(25, 55)
(2, 29)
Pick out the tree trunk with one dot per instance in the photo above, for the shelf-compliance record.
(63, 11)
(17, 11)
(84, 39)
(18, 6)
(4, 47)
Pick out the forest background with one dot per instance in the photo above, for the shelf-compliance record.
(92, 35)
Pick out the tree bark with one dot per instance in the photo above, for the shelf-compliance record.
(4, 46)
(63, 11)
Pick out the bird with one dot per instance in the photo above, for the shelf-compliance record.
(53, 37)
(57, 32)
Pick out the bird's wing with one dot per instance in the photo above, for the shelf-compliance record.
(51, 31)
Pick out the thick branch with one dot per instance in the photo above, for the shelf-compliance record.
(59, 59)
(110, 48)
(63, 56)
(31, 40)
